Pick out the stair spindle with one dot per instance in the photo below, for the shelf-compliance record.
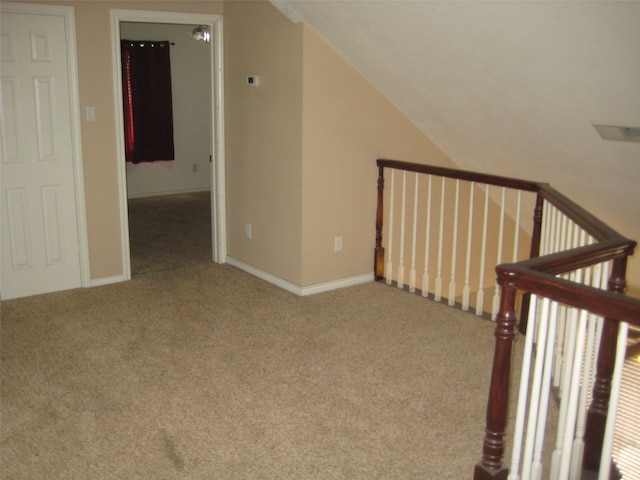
(438, 292)
(402, 230)
(466, 291)
(496, 295)
(454, 248)
(412, 271)
(388, 271)
(427, 242)
(483, 255)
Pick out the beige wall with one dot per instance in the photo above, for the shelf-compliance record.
(264, 138)
(348, 124)
(301, 149)
(95, 74)
(295, 198)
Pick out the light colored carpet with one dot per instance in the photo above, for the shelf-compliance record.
(169, 232)
(206, 372)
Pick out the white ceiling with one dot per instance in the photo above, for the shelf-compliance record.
(507, 87)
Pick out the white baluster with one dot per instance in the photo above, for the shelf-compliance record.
(559, 242)
(563, 423)
(496, 294)
(427, 242)
(565, 237)
(574, 393)
(577, 451)
(544, 329)
(605, 276)
(402, 230)
(536, 470)
(593, 277)
(557, 230)
(574, 276)
(388, 271)
(516, 233)
(546, 229)
(483, 255)
(514, 471)
(552, 229)
(438, 293)
(412, 271)
(454, 248)
(616, 382)
(466, 291)
(601, 272)
(560, 358)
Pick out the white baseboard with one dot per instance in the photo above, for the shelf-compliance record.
(98, 282)
(336, 284)
(268, 277)
(168, 192)
(296, 289)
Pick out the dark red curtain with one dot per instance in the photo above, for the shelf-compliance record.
(146, 92)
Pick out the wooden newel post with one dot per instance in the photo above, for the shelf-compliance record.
(597, 414)
(491, 465)
(378, 260)
(533, 253)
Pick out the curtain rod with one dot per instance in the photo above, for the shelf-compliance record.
(171, 44)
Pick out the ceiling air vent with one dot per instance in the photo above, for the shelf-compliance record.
(613, 132)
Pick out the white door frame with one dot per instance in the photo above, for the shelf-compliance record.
(74, 98)
(218, 207)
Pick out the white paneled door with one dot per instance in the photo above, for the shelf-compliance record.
(40, 243)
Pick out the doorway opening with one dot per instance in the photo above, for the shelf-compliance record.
(189, 189)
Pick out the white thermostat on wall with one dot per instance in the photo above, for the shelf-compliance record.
(253, 80)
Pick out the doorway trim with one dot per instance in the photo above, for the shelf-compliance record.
(218, 194)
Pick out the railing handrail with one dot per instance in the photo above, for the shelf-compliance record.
(461, 174)
(614, 306)
(591, 224)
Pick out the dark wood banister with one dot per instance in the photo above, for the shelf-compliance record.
(461, 174)
(537, 275)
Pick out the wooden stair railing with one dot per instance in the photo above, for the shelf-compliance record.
(477, 181)
(379, 261)
(611, 305)
(539, 276)
(546, 275)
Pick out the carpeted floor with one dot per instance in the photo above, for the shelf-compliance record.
(169, 232)
(200, 371)
(208, 373)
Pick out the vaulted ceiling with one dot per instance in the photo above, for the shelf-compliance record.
(507, 87)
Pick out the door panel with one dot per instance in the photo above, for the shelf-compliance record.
(40, 248)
